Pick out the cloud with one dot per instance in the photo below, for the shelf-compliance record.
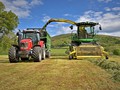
(22, 8)
(111, 22)
(106, 1)
(90, 16)
(67, 14)
(116, 9)
(36, 2)
(70, 15)
(107, 9)
(112, 9)
(46, 18)
(20, 3)
(63, 30)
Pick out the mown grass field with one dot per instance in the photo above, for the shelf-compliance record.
(56, 73)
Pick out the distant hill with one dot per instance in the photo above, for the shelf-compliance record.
(110, 43)
(61, 40)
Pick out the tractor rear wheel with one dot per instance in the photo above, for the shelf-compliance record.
(13, 55)
(37, 54)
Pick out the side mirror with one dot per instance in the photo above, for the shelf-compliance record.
(17, 34)
(71, 27)
(100, 27)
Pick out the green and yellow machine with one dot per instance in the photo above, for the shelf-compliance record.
(83, 44)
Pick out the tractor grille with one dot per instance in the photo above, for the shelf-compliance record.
(24, 45)
(88, 50)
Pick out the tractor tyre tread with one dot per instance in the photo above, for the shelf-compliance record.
(36, 53)
(12, 55)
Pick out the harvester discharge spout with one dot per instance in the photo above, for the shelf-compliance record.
(58, 20)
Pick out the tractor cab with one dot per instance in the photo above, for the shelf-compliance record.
(85, 32)
(33, 35)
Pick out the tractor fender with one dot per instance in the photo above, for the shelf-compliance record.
(36, 45)
(41, 43)
(16, 46)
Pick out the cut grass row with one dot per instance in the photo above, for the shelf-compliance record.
(111, 66)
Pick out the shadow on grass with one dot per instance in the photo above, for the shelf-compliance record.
(63, 58)
(6, 60)
(59, 57)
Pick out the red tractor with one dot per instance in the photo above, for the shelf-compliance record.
(31, 43)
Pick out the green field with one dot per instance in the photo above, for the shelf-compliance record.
(58, 52)
(56, 73)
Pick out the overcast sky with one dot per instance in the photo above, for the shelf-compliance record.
(35, 13)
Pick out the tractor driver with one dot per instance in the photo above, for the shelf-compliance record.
(82, 32)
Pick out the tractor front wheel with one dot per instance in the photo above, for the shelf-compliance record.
(13, 55)
(37, 54)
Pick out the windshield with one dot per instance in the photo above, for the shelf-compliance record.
(90, 30)
(29, 35)
(34, 36)
(85, 32)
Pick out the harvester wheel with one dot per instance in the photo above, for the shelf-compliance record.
(37, 54)
(13, 55)
(106, 57)
(43, 53)
(70, 57)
